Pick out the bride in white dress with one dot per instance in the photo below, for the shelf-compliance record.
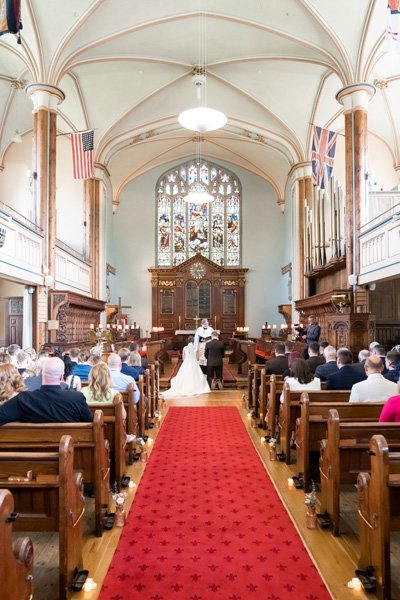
(190, 380)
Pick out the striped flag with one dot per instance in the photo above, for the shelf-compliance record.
(82, 154)
(392, 42)
(322, 155)
(10, 16)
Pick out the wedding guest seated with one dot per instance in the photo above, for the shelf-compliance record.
(73, 381)
(314, 357)
(391, 410)
(290, 353)
(322, 346)
(375, 388)
(135, 360)
(380, 351)
(346, 376)
(11, 382)
(100, 386)
(124, 354)
(4, 358)
(120, 381)
(13, 350)
(393, 366)
(323, 371)
(23, 362)
(34, 382)
(135, 347)
(279, 364)
(48, 404)
(74, 355)
(362, 357)
(82, 369)
(301, 377)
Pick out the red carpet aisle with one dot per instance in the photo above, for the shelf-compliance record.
(207, 523)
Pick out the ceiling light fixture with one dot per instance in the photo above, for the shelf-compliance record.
(198, 191)
(17, 139)
(201, 118)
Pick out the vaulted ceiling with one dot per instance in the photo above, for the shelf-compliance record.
(273, 67)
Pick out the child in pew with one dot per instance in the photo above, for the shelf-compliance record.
(11, 382)
(100, 390)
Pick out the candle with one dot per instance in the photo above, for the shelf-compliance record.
(114, 326)
(119, 327)
(108, 326)
(179, 322)
(91, 325)
(131, 484)
(290, 483)
(215, 322)
(273, 326)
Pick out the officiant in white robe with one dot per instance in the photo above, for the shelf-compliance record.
(202, 336)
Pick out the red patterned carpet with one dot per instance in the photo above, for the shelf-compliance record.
(207, 522)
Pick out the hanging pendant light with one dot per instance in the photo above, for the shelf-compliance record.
(201, 118)
(198, 192)
(17, 139)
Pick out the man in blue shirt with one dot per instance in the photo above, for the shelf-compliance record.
(120, 381)
(125, 368)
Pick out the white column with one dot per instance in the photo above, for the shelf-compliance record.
(27, 317)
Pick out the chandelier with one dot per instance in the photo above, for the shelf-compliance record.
(201, 118)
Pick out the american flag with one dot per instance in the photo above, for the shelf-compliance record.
(393, 27)
(82, 154)
(323, 155)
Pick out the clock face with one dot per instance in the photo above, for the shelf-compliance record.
(197, 270)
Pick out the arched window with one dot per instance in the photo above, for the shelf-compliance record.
(185, 229)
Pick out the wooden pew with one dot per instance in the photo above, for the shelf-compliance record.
(131, 423)
(312, 423)
(91, 452)
(16, 559)
(271, 389)
(237, 356)
(51, 501)
(115, 433)
(379, 511)
(344, 454)
(253, 386)
(290, 410)
(156, 352)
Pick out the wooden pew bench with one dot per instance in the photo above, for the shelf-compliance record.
(290, 410)
(311, 427)
(51, 501)
(270, 401)
(253, 387)
(131, 423)
(344, 453)
(91, 452)
(16, 558)
(379, 511)
(115, 434)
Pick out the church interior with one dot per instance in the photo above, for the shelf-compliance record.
(235, 162)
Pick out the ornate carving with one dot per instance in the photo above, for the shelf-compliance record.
(167, 283)
(229, 282)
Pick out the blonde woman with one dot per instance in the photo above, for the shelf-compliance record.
(100, 389)
(11, 382)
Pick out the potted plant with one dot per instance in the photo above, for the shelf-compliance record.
(272, 448)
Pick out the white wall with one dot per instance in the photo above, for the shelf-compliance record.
(69, 199)
(263, 227)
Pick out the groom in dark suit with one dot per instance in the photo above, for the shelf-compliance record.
(214, 353)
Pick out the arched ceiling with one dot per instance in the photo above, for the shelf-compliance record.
(273, 68)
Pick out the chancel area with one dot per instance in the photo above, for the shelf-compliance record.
(172, 166)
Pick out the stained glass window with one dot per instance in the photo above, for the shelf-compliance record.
(213, 230)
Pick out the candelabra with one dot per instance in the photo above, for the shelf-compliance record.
(99, 335)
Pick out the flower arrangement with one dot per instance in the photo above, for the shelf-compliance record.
(272, 443)
(157, 414)
(140, 442)
(119, 498)
(311, 498)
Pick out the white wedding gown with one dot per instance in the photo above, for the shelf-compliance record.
(190, 379)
